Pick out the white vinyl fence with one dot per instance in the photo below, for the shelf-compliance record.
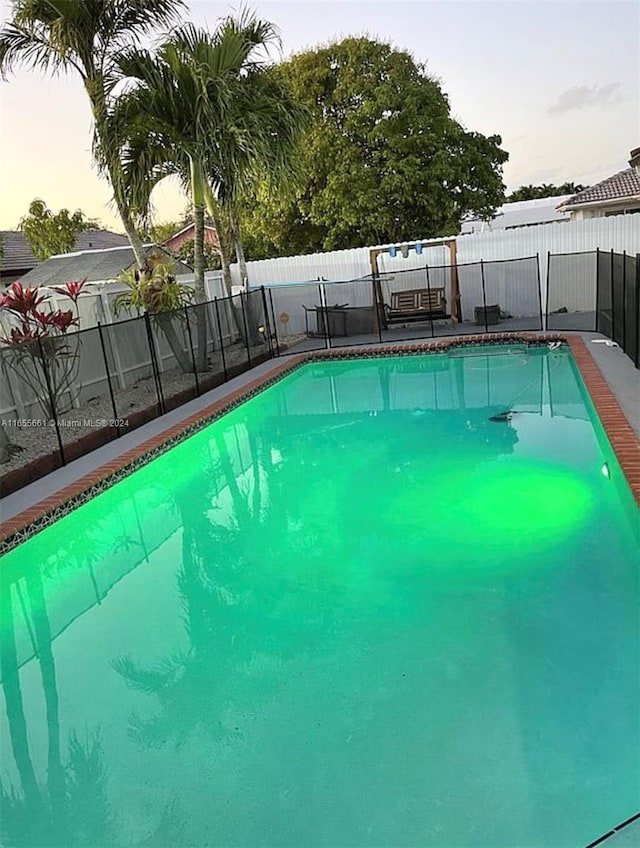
(620, 233)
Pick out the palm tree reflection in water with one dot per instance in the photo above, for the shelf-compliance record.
(228, 618)
(71, 807)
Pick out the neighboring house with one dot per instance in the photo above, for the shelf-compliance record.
(101, 269)
(176, 241)
(522, 213)
(617, 195)
(96, 266)
(18, 258)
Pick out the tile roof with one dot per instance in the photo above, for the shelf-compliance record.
(99, 240)
(18, 257)
(95, 265)
(618, 187)
(16, 253)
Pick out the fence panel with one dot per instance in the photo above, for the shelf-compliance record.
(297, 322)
(259, 339)
(180, 345)
(618, 282)
(632, 308)
(572, 291)
(133, 371)
(617, 232)
(405, 303)
(31, 441)
(512, 291)
(349, 316)
(87, 414)
(604, 295)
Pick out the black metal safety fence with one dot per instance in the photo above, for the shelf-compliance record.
(596, 291)
(64, 396)
(420, 302)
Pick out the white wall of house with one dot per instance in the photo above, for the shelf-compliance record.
(624, 208)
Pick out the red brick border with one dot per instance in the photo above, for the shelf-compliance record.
(620, 434)
(624, 441)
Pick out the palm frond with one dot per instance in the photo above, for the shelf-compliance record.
(160, 676)
(31, 49)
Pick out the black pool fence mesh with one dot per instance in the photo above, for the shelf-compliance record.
(598, 292)
(422, 302)
(572, 291)
(66, 396)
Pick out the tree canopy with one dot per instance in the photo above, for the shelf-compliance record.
(533, 192)
(381, 160)
(49, 233)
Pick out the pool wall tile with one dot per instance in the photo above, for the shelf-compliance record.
(622, 437)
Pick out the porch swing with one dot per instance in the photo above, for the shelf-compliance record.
(412, 304)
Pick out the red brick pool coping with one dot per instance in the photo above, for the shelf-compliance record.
(620, 433)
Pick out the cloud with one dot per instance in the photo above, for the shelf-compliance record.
(584, 96)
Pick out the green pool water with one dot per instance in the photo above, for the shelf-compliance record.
(353, 612)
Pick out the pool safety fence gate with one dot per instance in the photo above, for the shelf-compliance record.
(599, 292)
(63, 397)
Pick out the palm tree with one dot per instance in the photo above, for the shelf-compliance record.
(170, 120)
(204, 107)
(86, 37)
(257, 144)
(162, 122)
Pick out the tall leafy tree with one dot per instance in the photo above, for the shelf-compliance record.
(159, 232)
(211, 255)
(49, 233)
(382, 160)
(86, 37)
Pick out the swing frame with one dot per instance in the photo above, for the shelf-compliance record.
(378, 299)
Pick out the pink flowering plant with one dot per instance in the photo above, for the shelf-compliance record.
(38, 347)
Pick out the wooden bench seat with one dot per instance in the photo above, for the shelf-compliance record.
(417, 305)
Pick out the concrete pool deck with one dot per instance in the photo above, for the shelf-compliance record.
(612, 379)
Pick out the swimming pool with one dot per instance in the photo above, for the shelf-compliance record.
(355, 611)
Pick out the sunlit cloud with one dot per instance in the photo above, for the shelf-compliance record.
(586, 96)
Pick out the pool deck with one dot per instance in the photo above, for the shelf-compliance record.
(612, 380)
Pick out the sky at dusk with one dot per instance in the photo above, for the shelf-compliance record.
(559, 81)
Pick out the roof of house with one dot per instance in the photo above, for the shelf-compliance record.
(94, 265)
(99, 240)
(520, 213)
(17, 255)
(624, 184)
(188, 227)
